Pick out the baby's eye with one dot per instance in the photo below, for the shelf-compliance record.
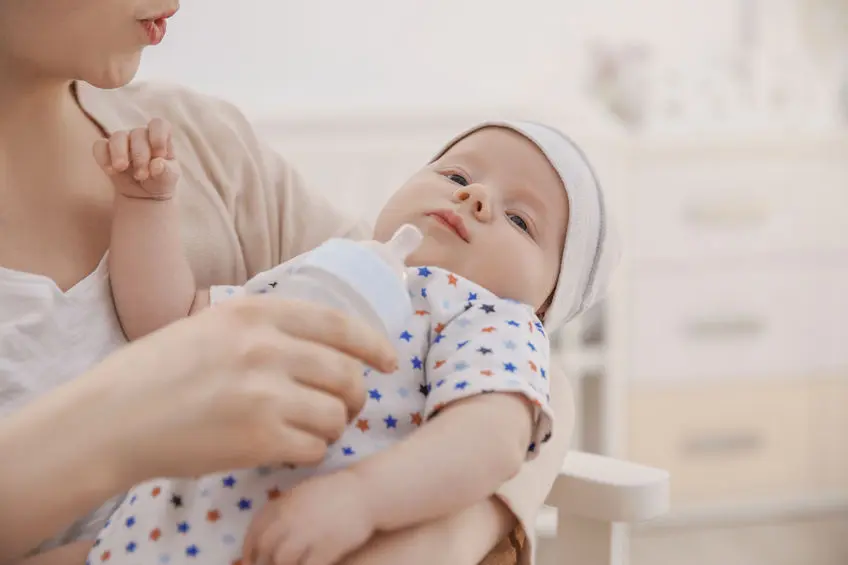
(458, 179)
(518, 221)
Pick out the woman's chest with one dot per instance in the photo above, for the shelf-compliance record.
(48, 337)
(62, 239)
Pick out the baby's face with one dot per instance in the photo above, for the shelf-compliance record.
(492, 210)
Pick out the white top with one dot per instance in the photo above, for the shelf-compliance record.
(48, 337)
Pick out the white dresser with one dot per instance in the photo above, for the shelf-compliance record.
(727, 332)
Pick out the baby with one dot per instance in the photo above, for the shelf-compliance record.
(514, 233)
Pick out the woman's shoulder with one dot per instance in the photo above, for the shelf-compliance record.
(207, 127)
(153, 99)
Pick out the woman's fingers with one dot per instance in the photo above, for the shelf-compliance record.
(321, 324)
(325, 369)
(316, 412)
(297, 447)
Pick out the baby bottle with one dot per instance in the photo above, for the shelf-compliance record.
(362, 279)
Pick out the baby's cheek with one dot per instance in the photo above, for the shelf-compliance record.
(531, 280)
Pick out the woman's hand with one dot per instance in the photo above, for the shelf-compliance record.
(252, 381)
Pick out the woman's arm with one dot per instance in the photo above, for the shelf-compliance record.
(58, 463)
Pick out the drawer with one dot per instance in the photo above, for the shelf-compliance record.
(737, 441)
(734, 206)
(714, 321)
(830, 434)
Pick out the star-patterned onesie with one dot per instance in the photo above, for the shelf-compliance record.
(462, 341)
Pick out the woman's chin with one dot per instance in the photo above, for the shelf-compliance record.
(117, 72)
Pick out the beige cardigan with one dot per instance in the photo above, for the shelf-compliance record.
(245, 209)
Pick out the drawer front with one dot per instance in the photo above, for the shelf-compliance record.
(684, 208)
(736, 441)
(711, 322)
(830, 434)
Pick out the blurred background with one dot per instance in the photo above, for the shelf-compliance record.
(720, 129)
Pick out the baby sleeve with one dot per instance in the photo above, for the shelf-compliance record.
(262, 283)
(493, 346)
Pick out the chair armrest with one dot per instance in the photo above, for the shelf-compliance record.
(609, 490)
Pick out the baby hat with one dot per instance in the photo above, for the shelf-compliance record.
(592, 247)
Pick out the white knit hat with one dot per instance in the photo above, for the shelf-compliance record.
(592, 247)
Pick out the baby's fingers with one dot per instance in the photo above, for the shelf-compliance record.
(290, 550)
(261, 538)
(140, 150)
(159, 133)
(119, 151)
(101, 155)
(157, 166)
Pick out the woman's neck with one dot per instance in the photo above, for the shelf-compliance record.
(42, 129)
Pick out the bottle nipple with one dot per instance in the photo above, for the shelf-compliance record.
(404, 241)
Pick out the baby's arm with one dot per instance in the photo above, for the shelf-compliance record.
(487, 398)
(152, 282)
(457, 459)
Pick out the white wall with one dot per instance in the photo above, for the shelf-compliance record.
(273, 54)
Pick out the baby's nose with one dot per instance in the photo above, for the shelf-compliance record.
(477, 200)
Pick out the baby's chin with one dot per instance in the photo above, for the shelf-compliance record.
(432, 253)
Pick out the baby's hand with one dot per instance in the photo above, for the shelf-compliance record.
(140, 162)
(317, 523)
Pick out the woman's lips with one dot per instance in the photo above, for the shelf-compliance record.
(155, 30)
(156, 26)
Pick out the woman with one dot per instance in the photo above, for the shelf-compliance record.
(275, 379)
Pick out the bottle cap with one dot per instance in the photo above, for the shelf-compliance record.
(375, 272)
